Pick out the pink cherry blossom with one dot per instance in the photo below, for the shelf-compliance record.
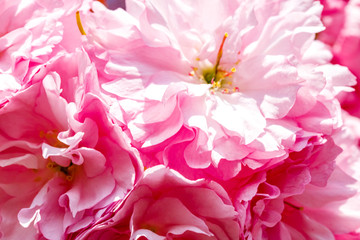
(321, 208)
(32, 34)
(309, 196)
(165, 205)
(342, 34)
(231, 107)
(303, 198)
(246, 76)
(332, 209)
(69, 159)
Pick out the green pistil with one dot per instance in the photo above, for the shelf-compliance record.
(209, 75)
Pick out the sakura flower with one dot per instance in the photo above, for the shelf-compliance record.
(32, 33)
(321, 213)
(234, 76)
(165, 205)
(342, 34)
(69, 159)
(303, 198)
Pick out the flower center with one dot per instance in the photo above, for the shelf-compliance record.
(68, 171)
(52, 139)
(220, 79)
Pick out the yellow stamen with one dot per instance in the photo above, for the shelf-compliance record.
(225, 91)
(78, 21)
(69, 178)
(67, 172)
(51, 165)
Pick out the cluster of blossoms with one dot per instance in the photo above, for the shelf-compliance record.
(179, 119)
